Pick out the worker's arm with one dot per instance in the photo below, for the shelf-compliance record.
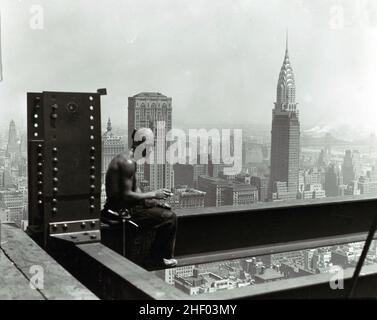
(139, 196)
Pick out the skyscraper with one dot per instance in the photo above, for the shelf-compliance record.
(351, 166)
(13, 148)
(333, 181)
(112, 145)
(153, 110)
(285, 136)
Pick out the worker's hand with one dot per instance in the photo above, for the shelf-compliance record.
(162, 194)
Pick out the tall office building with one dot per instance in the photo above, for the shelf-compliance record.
(13, 148)
(333, 181)
(351, 166)
(285, 136)
(112, 145)
(153, 110)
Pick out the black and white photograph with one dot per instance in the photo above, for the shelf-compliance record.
(189, 153)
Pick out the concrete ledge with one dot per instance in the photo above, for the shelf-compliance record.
(18, 253)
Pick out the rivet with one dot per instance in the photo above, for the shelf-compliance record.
(92, 158)
(65, 226)
(40, 155)
(55, 149)
(55, 160)
(54, 227)
(93, 236)
(55, 169)
(55, 190)
(54, 116)
(83, 225)
(92, 187)
(55, 180)
(92, 149)
(54, 210)
(54, 200)
(93, 223)
(39, 164)
(54, 106)
(92, 207)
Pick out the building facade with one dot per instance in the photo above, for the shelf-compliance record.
(153, 110)
(285, 134)
(112, 145)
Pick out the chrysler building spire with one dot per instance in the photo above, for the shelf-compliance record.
(286, 88)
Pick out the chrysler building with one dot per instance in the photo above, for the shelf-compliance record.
(285, 137)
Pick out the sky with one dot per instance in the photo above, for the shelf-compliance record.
(218, 60)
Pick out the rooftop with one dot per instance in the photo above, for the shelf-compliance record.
(149, 95)
(19, 255)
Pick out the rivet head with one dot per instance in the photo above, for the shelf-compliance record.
(65, 226)
(55, 180)
(54, 106)
(54, 200)
(55, 190)
(40, 193)
(92, 177)
(54, 116)
(54, 210)
(39, 146)
(54, 227)
(92, 207)
(92, 149)
(39, 164)
(55, 160)
(92, 198)
(40, 155)
(83, 225)
(92, 158)
(55, 169)
(93, 223)
(93, 236)
(93, 168)
(92, 187)
(55, 149)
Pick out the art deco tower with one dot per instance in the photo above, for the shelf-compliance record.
(285, 137)
(153, 110)
(13, 147)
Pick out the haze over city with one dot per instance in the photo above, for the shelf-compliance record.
(219, 60)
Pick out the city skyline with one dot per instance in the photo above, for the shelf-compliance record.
(235, 57)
